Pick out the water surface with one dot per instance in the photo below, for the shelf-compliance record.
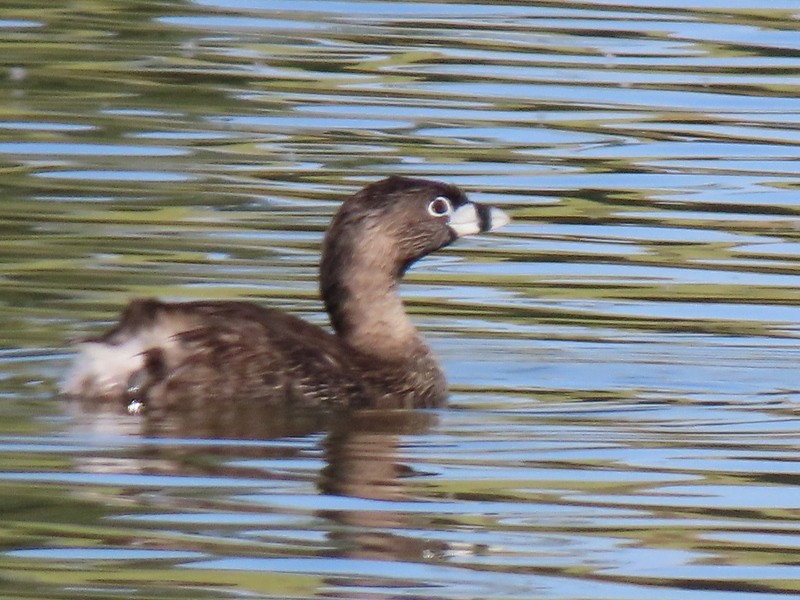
(623, 357)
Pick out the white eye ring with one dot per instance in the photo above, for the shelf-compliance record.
(440, 207)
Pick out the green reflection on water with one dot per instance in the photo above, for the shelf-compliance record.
(588, 121)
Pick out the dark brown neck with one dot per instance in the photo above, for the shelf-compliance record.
(360, 293)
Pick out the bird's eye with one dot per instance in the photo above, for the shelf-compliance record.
(440, 207)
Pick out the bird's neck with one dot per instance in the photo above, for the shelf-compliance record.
(360, 291)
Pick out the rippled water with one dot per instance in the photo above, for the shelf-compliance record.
(623, 357)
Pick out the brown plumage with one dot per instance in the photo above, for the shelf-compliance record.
(170, 356)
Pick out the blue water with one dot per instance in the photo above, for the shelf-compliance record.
(622, 357)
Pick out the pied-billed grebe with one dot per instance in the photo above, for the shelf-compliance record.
(168, 355)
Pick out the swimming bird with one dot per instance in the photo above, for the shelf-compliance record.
(172, 355)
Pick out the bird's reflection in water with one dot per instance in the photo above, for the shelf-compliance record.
(361, 451)
(362, 461)
(206, 419)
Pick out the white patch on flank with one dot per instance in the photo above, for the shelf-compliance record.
(103, 369)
